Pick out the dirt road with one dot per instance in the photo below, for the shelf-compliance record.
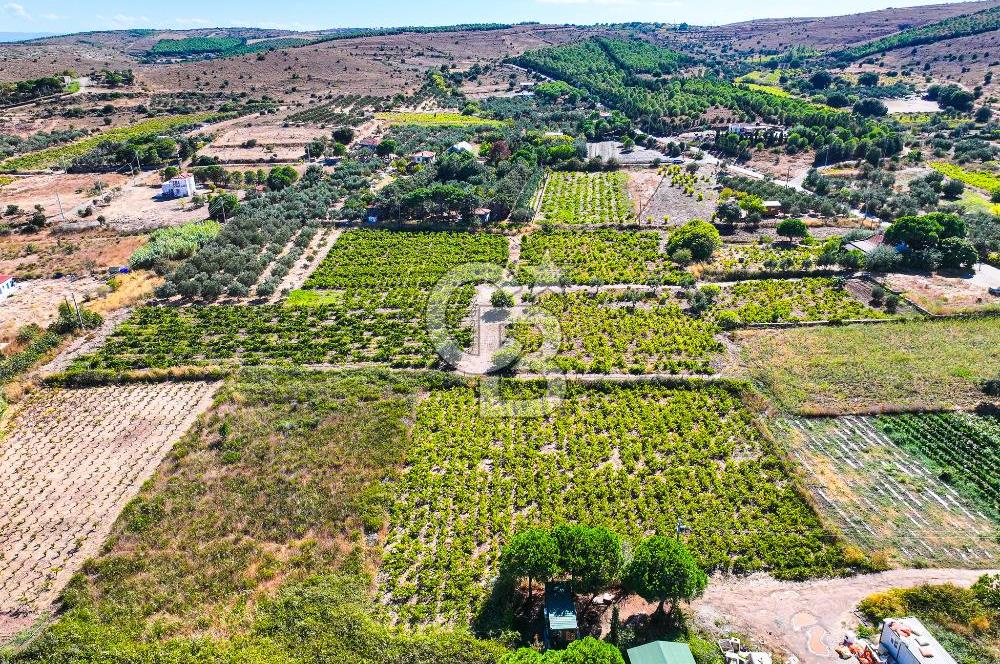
(806, 619)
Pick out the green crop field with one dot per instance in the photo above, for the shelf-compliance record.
(979, 179)
(438, 118)
(586, 199)
(63, 154)
(632, 457)
(747, 260)
(598, 257)
(616, 332)
(789, 301)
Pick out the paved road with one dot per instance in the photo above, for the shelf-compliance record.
(807, 619)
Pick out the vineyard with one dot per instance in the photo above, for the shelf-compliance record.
(963, 450)
(387, 259)
(598, 257)
(616, 332)
(351, 326)
(885, 499)
(634, 458)
(63, 154)
(788, 301)
(438, 118)
(950, 28)
(747, 260)
(587, 199)
(979, 179)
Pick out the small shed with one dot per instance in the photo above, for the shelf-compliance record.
(560, 615)
(482, 214)
(661, 652)
(7, 285)
(371, 215)
(772, 208)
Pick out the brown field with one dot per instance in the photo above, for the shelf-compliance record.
(942, 294)
(273, 143)
(71, 460)
(656, 200)
(37, 255)
(72, 189)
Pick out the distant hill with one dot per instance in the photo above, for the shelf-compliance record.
(23, 36)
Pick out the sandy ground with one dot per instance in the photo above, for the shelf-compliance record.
(71, 189)
(141, 207)
(806, 619)
(71, 460)
(654, 200)
(42, 255)
(911, 105)
(37, 301)
(637, 155)
(944, 295)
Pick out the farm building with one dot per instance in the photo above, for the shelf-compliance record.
(180, 186)
(422, 157)
(482, 214)
(907, 641)
(463, 146)
(867, 246)
(661, 652)
(367, 145)
(772, 208)
(7, 285)
(560, 615)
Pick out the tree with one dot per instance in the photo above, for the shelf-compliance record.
(821, 80)
(915, 232)
(869, 79)
(501, 299)
(792, 228)
(983, 114)
(699, 237)
(531, 553)
(987, 591)
(882, 259)
(871, 107)
(957, 254)
(729, 211)
(593, 556)
(387, 147)
(281, 177)
(952, 189)
(343, 135)
(169, 172)
(663, 569)
(223, 207)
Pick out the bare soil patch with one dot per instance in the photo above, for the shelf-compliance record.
(941, 294)
(655, 198)
(44, 254)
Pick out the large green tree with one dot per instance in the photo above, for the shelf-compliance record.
(591, 555)
(697, 236)
(531, 553)
(662, 569)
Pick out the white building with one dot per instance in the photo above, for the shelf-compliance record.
(463, 146)
(907, 641)
(180, 186)
(7, 285)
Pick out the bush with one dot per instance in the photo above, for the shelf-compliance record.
(882, 259)
(792, 228)
(501, 299)
(728, 320)
(697, 236)
(957, 254)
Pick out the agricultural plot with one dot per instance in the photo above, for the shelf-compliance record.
(438, 118)
(612, 332)
(962, 449)
(744, 260)
(349, 326)
(979, 179)
(589, 199)
(386, 259)
(71, 460)
(633, 457)
(936, 364)
(597, 257)
(792, 300)
(885, 499)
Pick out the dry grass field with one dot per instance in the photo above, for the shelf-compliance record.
(72, 459)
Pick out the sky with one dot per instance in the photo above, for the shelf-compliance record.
(64, 16)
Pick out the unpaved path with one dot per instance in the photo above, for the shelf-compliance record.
(806, 619)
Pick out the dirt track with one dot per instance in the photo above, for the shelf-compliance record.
(805, 619)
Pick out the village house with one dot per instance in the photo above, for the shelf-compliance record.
(180, 186)
(422, 157)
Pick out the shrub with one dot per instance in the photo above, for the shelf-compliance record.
(882, 259)
(957, 254)
(697, 236)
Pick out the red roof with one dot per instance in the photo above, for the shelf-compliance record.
(5, 277)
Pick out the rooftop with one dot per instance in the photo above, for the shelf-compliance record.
(560, 610)
(661, 652)
(918, 640)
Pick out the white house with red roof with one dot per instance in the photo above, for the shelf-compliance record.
(180, 186)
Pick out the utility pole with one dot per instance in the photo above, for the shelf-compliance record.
(79, 316)
(59, 201)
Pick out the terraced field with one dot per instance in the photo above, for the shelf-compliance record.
(885, 499)
(71, 460)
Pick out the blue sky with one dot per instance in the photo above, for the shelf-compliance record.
(73, 16)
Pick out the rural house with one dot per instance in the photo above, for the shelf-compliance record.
(422, 157)
(180, 186)
(463, 146)
(907, 641)
(772, 208)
